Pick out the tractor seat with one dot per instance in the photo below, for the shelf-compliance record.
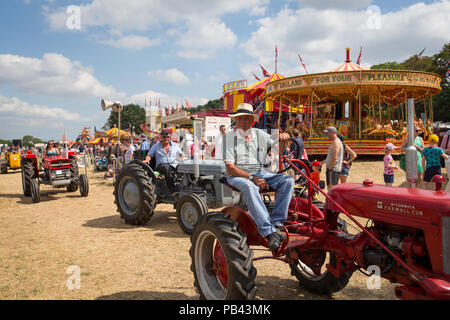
(225, 182)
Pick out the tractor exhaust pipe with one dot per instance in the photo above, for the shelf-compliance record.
(197, 124)
(411, 151)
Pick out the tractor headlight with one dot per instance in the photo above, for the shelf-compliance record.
(67, 173)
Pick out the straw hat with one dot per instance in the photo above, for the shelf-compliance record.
(244, 109)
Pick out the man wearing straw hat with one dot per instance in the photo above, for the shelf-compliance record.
(244, 150)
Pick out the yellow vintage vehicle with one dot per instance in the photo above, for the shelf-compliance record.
(11, 161)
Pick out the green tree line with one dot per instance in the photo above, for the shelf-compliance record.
(439, 64)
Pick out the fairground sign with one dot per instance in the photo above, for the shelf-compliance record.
(363, 78)
(234, 85)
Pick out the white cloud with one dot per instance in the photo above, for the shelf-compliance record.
(53, 75)
(326, 33)
(170, 75)
(14, 107)
(205, 32)
(340, 4)
(204, 38)
(132, 42)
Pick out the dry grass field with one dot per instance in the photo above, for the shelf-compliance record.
(38, 242)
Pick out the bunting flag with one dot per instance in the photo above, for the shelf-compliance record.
(358, 61)
(188, 105)
(419, 56)
(145, 102)
(264, 71)
(301, 61)
(169, 111)
(276, 53)
(159, 103)
(256, 77)
(178, 108)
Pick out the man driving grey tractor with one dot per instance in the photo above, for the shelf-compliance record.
(165, 153)
(245, 149)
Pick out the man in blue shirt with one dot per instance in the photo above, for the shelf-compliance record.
(165, 153)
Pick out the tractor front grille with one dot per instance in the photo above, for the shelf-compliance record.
(60, 163)
(60, 174)
(446, 244)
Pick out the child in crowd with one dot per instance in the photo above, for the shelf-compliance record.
(389, 165)
(315, 174)
(431, 155)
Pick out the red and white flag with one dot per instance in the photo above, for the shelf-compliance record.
(264, 71)
(301, 61)
(178, 108)
(358, 61)
(256, 77)
(188, 105)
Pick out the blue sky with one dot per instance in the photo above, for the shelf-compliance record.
(53, 78)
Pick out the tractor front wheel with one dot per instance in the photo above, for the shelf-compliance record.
(190, 208)
(84, 185)
(134, 193)
(222, 262)
(35, 190)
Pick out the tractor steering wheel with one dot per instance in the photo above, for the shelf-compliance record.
(294, 154)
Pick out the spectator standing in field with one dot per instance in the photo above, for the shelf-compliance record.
(334, 158)
(349, 157)
(217, 146)
(389, 165)
(432, 155)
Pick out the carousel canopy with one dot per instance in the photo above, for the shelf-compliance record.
(114, 132)
(262, 83)
(348, 65)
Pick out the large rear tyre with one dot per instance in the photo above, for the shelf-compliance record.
(35, 191)
(222, 262)
(134, 193)
(84, 185)
(190, 208)
(27, 175)
(322, 282)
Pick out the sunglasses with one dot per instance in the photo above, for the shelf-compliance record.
(166, 136)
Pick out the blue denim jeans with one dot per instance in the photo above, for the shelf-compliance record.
(282, 183)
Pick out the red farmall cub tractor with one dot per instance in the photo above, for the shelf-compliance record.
(407, 238)
(59, 172)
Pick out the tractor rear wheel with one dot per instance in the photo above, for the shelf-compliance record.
(35, 191)
(134, 193)
(190, 208)
(319, 280)
(222, 262)
(84, 185)
(27, 175)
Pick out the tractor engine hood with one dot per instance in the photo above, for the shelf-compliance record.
(406, 206)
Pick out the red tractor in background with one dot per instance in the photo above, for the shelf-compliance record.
(59, 172)
(406, 238)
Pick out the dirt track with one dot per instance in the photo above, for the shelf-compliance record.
(38, 242)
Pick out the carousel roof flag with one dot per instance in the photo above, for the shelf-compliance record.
(301, 61)
(348, 65)
(261, 84)
(358, 61)
(256, 77)
(264, 71)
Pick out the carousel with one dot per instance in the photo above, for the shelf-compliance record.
(368, 107)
